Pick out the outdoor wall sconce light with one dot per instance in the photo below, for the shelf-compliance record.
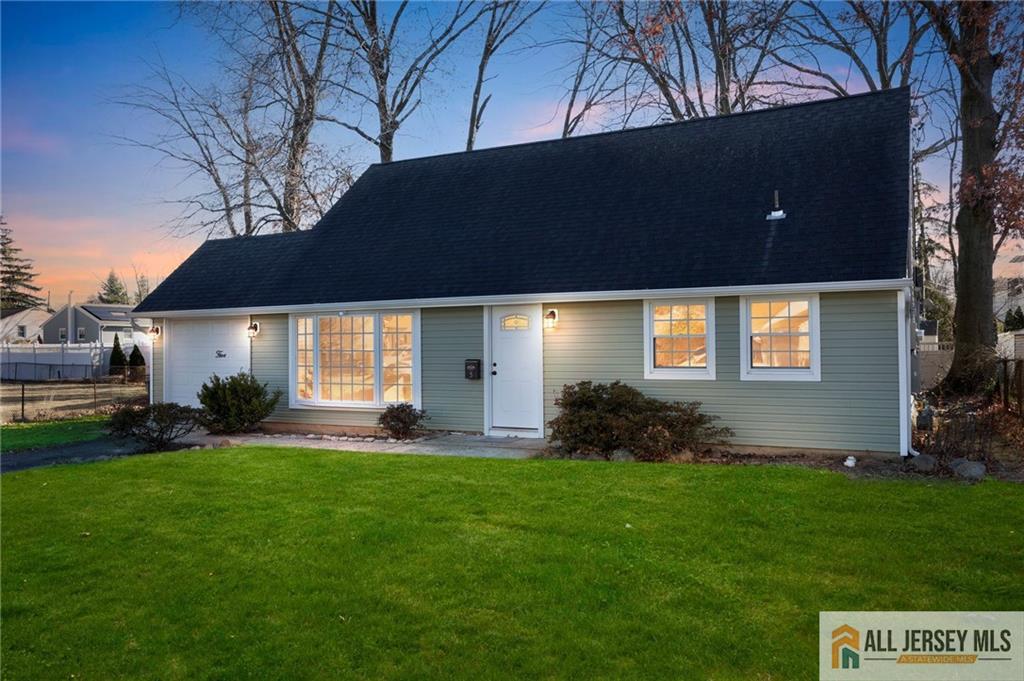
(551, 319)
(153, 332)
(253, 329)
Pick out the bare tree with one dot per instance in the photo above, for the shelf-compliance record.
(676, 60)
(505, 19)
(389, 82)
(249, 138)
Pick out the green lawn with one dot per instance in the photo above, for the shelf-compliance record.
(262, 562)
(35, 434)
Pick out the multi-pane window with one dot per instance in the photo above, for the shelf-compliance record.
(304, 358)
(347, 367)
(680, 336)
(396, 357)
(780, 338)
(780, 334)
(354, 358)
(679, 339)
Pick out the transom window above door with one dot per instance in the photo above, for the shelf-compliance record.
(779, 338)
(679, 339)
(365, 359)
(515, 322)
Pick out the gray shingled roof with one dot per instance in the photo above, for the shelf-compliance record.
(678, 205)
(109, 313)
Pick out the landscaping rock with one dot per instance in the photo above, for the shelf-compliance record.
(971, 470)
(391, 439)
(225, 443)
(367, 439)
(923, 463)
(956, 463)
(311, 436)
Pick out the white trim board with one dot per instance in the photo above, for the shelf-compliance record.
(553, 297)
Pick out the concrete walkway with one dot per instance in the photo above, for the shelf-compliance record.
(448, 444)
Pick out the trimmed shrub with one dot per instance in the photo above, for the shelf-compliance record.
(155, 425)
(117, 359)
(596, 419)
(401, 421)
(236, 404)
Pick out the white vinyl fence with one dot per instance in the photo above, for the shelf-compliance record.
(57, 362)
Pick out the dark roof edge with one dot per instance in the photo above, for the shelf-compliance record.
(604, 133)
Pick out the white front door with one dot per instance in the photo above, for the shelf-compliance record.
(198, 348)
(516, 369)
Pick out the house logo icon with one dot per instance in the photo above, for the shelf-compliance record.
(845, 648)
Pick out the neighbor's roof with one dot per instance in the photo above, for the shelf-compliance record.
(109, 313)
(679, 205)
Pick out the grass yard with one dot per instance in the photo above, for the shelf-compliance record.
(263, 562)
(35, 434)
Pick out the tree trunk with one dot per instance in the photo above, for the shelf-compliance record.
(975, 221)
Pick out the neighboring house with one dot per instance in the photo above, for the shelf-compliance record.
(656, 256)
(22, 326)
(93, 323)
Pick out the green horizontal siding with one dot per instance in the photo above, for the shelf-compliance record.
(855, 406)
(448, 336)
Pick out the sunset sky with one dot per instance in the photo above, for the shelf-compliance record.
(80, 203)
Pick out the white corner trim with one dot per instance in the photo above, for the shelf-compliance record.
(486, 369)
(749, 373)
(679, 374)
(378, 405)
(903, 348)
(563, 297)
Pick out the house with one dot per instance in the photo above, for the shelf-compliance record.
(22, 326)
(93, 323)
(757, 262)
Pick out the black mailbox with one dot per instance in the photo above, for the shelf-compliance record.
(473, 369)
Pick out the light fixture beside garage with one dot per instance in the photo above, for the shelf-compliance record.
(253, 329)
(551, 319)
(153, 332)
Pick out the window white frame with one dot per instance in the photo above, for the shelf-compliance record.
(811, 373)
(679, 373)
(22, 331)
(62, 334)
(378, 391)
(80, 334)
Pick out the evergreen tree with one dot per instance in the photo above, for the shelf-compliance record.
(113, 291)
(136, 358)
(117, 359)
(1019, 315)
(1010, 320)
(17, 292)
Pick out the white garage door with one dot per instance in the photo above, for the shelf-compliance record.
(199, 348)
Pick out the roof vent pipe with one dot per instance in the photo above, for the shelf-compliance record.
(777, 213)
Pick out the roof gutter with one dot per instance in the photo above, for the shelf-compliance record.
(564, 297)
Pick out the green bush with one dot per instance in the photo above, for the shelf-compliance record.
(155, 425)
(117, 359)
(401, 420)
(598, 419)
(236, 404)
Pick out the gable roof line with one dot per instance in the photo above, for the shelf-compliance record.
(640, 128)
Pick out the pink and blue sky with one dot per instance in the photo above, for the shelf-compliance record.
(80, 203)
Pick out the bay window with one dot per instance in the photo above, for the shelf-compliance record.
(360, 359)
(779, 338)
(679, 339)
